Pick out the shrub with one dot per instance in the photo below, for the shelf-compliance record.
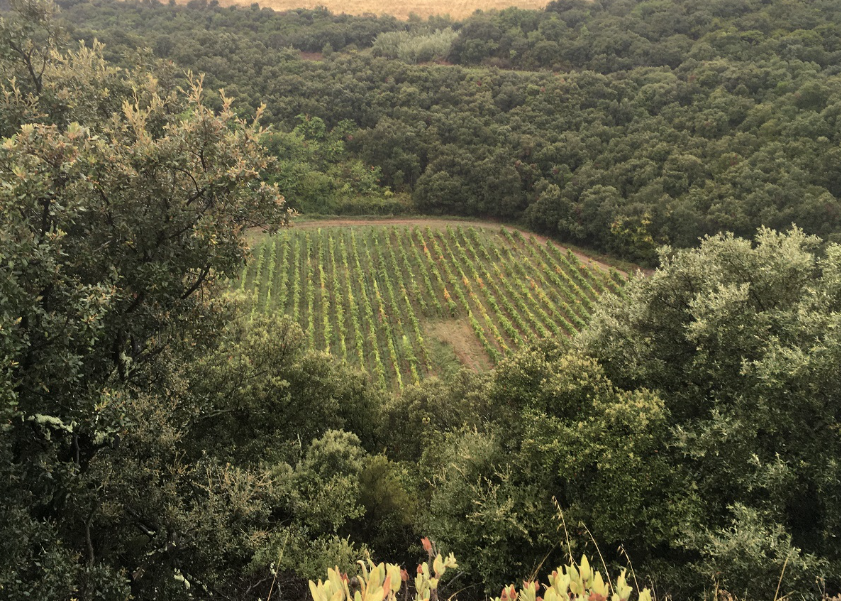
(414, 48)
(377, 583)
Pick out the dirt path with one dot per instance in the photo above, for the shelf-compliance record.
(441, 224)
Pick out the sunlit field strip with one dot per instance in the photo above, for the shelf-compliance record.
(422, 8)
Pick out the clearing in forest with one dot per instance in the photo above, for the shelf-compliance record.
(404, 302)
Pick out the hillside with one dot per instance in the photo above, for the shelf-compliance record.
(619, 126)
(200, 402)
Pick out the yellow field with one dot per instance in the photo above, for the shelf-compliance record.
(457, 9)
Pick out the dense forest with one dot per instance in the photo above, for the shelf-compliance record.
(160, 438)
(617, 125)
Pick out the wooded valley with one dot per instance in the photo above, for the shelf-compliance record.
(621, 126)
(291, 302)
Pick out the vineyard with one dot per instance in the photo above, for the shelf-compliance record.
(402, 302)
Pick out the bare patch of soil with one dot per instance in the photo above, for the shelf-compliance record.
(460, 337)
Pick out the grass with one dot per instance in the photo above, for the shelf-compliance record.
(422, 8)
(404, 302)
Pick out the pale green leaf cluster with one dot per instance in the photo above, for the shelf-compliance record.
(379, 582)
(572, 582)
(414, 47)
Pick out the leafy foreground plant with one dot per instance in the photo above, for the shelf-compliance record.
(377, 583)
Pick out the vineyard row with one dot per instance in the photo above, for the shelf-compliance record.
(365, 294)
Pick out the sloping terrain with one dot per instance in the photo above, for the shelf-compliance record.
(404, 301)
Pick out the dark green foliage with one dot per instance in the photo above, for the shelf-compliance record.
(423, 413)
(153, 446)
(664, 122)
(124, 201)
(307, 30)
(316, 171)
(694, 424)
(262, 394)
(564, 433)
(610, 35)
(740, 341)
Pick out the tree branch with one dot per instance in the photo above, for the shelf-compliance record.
(197, 283)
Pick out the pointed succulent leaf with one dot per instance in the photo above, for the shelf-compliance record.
(375, 594)
(438, 566)
(364, 569)
(316, 592)
(623, 590)
(334, 576)
(395, 579)
(598, 586)
(375, 578)
(586, 571)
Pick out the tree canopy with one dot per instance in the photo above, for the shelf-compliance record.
(615, 125)
(156, 443)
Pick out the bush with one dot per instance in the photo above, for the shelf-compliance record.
(754, 555)
(413, 47)
(561, 432)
